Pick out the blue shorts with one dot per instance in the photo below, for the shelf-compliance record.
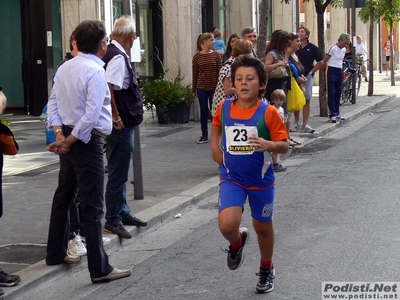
(309, 85)
(261, 201)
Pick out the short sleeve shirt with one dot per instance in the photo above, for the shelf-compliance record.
(273, 120)
(336, 56)
(387, 48)
(307, 56)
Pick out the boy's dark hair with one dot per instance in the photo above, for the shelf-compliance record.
(89, 35)
(71, 38)
(250, 61)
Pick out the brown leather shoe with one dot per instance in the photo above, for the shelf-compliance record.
(133, 221)
(114, 275)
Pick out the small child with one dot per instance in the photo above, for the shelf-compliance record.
(219, 44)
(278, 97)
(244, 131)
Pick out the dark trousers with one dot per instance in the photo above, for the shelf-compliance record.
(335, 80)
(205, 101)
(82, 167)
(75, 217)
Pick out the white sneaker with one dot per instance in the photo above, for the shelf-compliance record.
(106, 241)
(307, 129)
(333, 119)
(296, 127)
(76, 247)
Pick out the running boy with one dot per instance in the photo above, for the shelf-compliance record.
(278, 97)
(249, 129)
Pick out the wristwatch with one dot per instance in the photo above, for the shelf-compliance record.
(58, 130)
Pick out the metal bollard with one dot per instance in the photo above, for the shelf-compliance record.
(138, 193)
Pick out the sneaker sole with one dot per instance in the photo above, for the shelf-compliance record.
(111, 277)
(77, 253)
(270, 289)
(4, 284)
(266, 291)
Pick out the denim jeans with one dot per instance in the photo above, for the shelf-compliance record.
(119, 153)
(83, 167)
(205, 101)
(335, 80)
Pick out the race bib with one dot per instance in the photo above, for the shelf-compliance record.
(237, 139)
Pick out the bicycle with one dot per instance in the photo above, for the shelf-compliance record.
(348, 72)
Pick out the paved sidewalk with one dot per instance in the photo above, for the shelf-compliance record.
(177, 173)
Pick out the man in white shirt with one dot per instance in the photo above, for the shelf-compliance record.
(361, 53)
(127, 112)
(334, 60)
(79, 111)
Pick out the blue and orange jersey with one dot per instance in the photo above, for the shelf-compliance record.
(240, 163)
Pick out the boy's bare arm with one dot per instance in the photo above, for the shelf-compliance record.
(216, 151)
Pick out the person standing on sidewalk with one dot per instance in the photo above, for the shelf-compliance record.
(334, 76)
(361, 53)
(249, 33)
(6, 280)
(308, 53)
(388, 52)
(205, 70)
(127, 112)
(244, 131)
(79, 111)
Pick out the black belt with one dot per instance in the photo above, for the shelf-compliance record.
(94, 131)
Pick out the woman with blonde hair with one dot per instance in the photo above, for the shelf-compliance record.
(224, 86)
(206, 64)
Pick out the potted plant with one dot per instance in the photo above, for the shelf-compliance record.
(171, 98)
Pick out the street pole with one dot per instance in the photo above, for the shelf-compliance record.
(137, 166)
(353, 56)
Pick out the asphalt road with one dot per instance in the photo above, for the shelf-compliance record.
(336, 219)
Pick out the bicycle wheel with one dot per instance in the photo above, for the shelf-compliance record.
(358, 83)
(346, 90)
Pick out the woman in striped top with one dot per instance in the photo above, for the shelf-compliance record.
(205, 69)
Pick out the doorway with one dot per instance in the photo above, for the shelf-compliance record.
(11, 54)
(148, 16)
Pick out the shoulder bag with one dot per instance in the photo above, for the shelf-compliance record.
(295, 97)
(279, 72)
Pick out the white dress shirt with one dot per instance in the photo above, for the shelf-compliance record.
(81, 97)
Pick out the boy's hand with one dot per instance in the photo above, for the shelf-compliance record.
(217, 157)
(259, 144)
